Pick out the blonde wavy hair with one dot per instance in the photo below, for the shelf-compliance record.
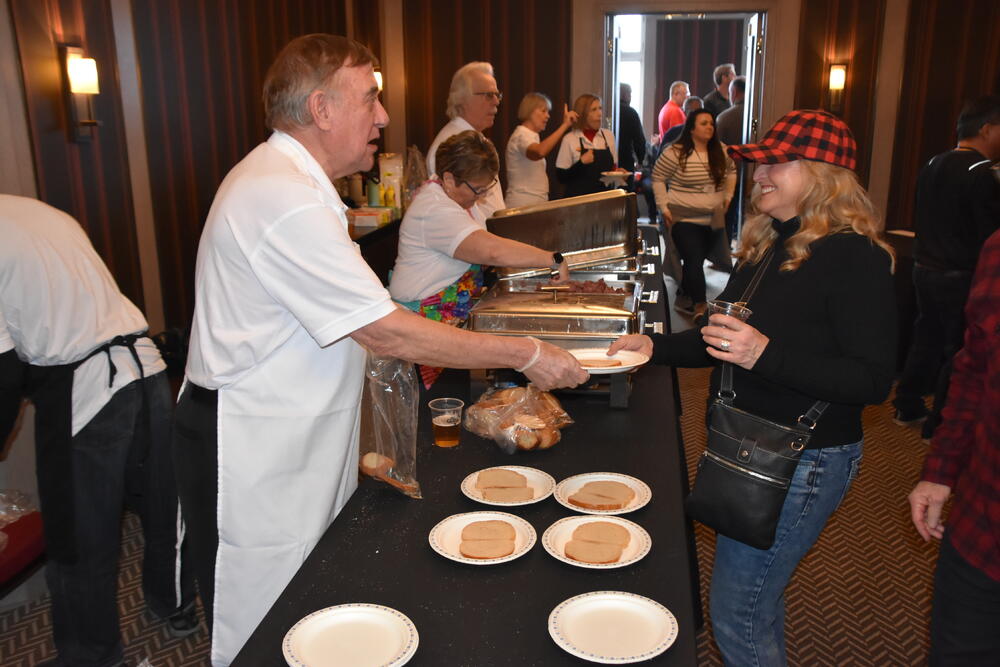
(833, 202)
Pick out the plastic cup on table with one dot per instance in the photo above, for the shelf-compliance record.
(446, 420)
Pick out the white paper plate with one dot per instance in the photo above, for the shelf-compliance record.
(446, 536)
(571, 485)
(616, 174)
(556, 536)
(541, 483)
(628, 358)
(351, 635)
(612, 627)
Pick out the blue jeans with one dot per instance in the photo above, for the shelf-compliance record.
(748, 584)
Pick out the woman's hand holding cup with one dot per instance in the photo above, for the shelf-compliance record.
(729, 337)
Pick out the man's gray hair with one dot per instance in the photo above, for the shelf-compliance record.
(306, 64)
(461, 86)
(677, 84)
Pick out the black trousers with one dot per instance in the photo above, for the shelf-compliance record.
(938, 334)
(965, 614)
(196, 461)
(107, 475)
(694, 242)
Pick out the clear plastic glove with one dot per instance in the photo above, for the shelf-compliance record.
(554, 368)
(633, 343)
(562, 276)
(730, 339)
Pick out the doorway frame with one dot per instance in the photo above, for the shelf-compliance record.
(781, 43)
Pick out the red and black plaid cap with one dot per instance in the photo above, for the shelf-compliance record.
(803, 135)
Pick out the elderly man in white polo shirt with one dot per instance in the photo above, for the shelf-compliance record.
(473, 100)
(266, 437)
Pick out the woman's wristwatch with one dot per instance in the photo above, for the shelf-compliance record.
(557, 260)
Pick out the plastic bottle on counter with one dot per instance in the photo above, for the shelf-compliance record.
(373, 194)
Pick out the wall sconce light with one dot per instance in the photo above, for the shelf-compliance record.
(378, 80)
(838, 79)
(80, 84)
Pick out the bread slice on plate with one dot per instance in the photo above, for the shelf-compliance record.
(499, 478)
(593, 552)
(493, 529)
(602, 495)
(602, 532)
(486, 548)
(508, 495)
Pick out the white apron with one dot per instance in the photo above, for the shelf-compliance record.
(287, 465)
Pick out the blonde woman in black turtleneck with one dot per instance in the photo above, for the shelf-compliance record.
(823, 329)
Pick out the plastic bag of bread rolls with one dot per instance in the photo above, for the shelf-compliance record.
(388, 449)
(517, 418)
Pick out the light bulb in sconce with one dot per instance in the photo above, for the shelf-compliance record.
(838, 77)
(82, 75)
(378, 79)
(838, 81)
(80, 84)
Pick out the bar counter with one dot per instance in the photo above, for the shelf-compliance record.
(377, 549)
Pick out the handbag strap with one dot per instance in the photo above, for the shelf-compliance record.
(726, 393)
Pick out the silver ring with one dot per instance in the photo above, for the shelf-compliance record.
(724, 345)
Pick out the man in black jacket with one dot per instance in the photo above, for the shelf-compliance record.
(957, 209)
(631, 138)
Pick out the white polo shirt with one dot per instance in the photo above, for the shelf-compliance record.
(527, 182)
(493, 201)
(433, 227)
(58, 302)
(275, 260)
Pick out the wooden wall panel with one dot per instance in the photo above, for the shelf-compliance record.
(202, 67)
(688, 50)
(527, 41)
(952, 56)
(87, 180)
(835, 32)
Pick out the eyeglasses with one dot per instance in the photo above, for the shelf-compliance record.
(491, 95)
(479, 192)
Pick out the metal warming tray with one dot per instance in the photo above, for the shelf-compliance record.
(596, 230)
(531, 306)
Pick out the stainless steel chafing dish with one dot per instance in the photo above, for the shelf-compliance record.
(531, 306)
(596, 233)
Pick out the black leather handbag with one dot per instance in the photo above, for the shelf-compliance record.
(745, 471)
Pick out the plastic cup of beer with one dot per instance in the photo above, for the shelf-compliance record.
(446, 420)
(737, 310)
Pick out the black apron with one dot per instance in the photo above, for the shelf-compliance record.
(50, 388)
(587, 178)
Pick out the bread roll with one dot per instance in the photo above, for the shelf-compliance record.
(375, 464)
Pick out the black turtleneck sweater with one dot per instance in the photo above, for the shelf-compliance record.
(832, 330)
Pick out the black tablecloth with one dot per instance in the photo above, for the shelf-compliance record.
(377, 550)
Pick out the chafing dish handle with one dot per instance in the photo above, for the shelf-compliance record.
(647, 250)
(555, 289)
(657, 327)
(647, 269)
(652, 296)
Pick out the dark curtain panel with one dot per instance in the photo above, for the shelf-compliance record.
(88, 180)
(690, 50)
(952, 55)
(837, 32)
(202, 66)
(527, 41)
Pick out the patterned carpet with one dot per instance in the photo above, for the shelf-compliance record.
(861, 596)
